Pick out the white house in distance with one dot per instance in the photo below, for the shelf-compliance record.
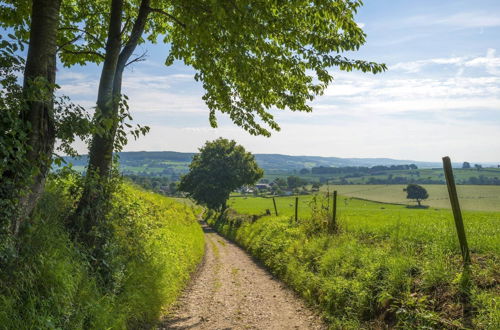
(262, 186)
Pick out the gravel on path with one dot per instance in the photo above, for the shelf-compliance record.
(230, 291)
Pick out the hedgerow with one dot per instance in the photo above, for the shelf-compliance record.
(51, 284)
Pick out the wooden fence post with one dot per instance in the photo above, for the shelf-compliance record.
(275, 208)
(296, 208)
(457, 214)
(334, 211)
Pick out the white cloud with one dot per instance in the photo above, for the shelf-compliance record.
(477, 19)
(490, 63)
(399, 114)
(375, 137)
(470, 20)
(406, 95)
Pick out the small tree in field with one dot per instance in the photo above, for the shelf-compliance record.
(221, 167)
(414, 191)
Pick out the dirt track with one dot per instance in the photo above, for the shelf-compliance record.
(230, 291)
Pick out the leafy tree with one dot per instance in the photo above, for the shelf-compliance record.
(294, 182)
(466, 165)
(304, 171)
(250, 56)
(127, 21)
(478, 167)
(280, 182)
(37, 111)
(172, 188)
(221, 167)
(414, 191)
(33, 124)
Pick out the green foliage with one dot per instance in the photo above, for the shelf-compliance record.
(15, 170)
(383, 268)
(294, 182)
(414, 191)
(156, 244)
(252, 56)
(71, 121)
(221, 167)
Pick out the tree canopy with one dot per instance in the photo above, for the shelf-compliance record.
(414, 191)
(221, 167)
(253, 56)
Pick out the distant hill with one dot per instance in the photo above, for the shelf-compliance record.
(173, 164)
(177, 162)
(277, 162)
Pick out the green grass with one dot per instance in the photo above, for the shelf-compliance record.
(430, 174)
(156, 245)
(472, 197)
(387, 266)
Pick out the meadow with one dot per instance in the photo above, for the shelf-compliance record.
(472, 197)
(387, 265)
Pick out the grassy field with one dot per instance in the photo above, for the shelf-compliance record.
(483, 227)
(387, 266)
(472, 197)
(436, 174)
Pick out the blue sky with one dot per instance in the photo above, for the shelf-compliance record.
(440, 96)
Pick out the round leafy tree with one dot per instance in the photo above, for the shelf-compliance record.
(221, 167)
(414, 191)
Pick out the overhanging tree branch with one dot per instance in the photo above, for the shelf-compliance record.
(69, 42)
(93, 37)
(139, 58)
(173, 18)
(83, 52)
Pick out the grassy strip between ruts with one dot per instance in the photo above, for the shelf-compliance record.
(385, 267)
(156, 245)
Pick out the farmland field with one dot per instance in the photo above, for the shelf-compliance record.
(472, 197)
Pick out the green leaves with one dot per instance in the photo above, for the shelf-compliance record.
(257, 56)
(117, 128)
(221, 167)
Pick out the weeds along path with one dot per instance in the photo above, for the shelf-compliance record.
(230, 291)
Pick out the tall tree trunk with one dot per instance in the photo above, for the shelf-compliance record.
(86, 214)
(101, 150)
(38, 88)
(100, 157)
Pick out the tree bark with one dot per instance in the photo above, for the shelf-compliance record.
(101, 152)
(101, 149)
(39, 112)
(87, 212)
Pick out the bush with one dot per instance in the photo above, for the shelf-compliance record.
(156, 244)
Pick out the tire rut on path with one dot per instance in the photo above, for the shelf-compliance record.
(230, 291)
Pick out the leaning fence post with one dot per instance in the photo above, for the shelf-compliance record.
(455, 206)
(296, 208)
(275, 208)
